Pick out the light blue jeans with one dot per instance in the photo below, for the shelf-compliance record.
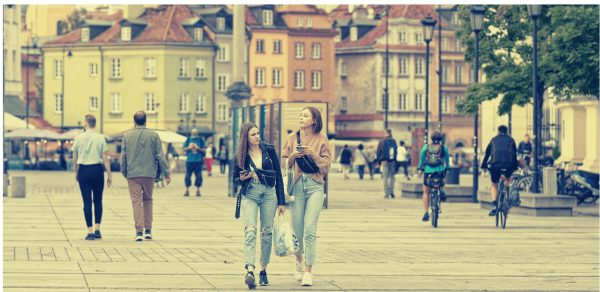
(264, 198)
(306, 207)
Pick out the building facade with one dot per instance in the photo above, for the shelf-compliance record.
(12, 61)
(161, 62)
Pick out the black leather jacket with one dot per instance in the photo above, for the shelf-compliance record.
(270, 161)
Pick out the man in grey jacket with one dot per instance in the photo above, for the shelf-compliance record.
(141, 156)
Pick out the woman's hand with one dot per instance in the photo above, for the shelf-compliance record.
(244, 176)
(281, 209)
(109, 181)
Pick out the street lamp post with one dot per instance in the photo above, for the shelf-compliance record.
(477, 14)
(428, 27)
(62, 93)
(387, 63)
(27, 72)
(440, 72)
(534, 12)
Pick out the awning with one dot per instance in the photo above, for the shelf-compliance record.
(71, 134)
(31, 134)
(12, 123)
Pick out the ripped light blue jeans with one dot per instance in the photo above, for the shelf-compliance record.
(306, 207)
(264, 198)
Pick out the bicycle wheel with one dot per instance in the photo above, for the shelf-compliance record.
(435, 210)
(498, 203)
(504, 210)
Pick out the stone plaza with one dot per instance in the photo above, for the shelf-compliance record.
(365, 243)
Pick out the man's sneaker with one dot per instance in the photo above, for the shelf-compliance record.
(138, 236)
(97, 234)
(90, 236)
(393, 196)
(250, 280)
(262, 278)
(186, 194)
(426, 216)
(148, 234)
(307, 279)
(198, 194)
(299, 272)
(493, 212)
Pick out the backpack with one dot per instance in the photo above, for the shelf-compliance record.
(434, 155)
(503, 154)
(389, 150)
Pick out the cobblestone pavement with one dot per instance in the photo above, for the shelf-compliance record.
(365, 243)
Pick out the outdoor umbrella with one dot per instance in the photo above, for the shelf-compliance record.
(31, 134)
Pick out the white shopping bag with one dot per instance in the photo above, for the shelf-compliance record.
(284, 239)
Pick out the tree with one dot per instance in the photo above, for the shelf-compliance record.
(76, 19)
(567, 53)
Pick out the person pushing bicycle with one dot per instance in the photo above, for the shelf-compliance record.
(434, 158)
(502, 150)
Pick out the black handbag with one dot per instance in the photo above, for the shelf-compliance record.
(306, 163)
(265, 177)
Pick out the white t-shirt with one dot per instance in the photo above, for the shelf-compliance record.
(359, 158)
(401, 154)
(209, 152)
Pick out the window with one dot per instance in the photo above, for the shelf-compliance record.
(344, 104)
(222, 82)
(85, 34)
(403, 66)
(299, 50)
(402, 101)
(277, 47)
(126, 33)
(115, 103)
(200, 68)
(419, 37)
(93, 103)
(260, 46)
(93, 69)
(315, 80)
(471, 75)
(458, 73)
(198, 34)
(338, 36)
(201, 103)
(220, 23)
(58, 103)
(419, 102)
(149, 68)
(277, 77)
(58, 66)
(444, 73)
(445, 104)
(344, 69)
(385, 66)
(445, 44)
(267, 17)
(309, 22)
(353, 34)
(223, 54)
(184, 103)
(298, 79)
(402, 37)
(184, 67)
(316, 51)
(300, 22)
(222, 112)
(150, 102)
(419, 71)
(259, 75)
(458, 45)
(116, 69)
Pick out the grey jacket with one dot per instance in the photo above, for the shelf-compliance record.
(141, 154)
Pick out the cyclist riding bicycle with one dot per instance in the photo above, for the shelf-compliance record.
(524, 151)
(503, 152)
(434, 158)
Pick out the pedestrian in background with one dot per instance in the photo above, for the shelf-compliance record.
(346, 161)
(194, 149)
(387, 151)
(209, 158)
(223, 157)
(360, 160)
(89, 153)
(371, 160)
(402, 159)
(141, 156)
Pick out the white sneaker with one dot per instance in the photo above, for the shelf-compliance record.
(299, 272)
(307, 279)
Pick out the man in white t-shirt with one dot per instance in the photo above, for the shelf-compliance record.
(402, 159)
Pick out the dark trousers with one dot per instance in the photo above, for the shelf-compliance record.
(223, 164)
(403, 164)
(361, 171)
(91, 184)
(371, 169)
(196, 169)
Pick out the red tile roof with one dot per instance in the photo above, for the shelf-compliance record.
(164, 24)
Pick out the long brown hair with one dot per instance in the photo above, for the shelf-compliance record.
(243, 144)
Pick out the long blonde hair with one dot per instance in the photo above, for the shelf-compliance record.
(243, 144)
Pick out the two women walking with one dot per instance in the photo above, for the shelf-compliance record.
(262, 189)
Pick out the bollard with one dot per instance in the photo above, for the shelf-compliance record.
(550, 185)
(5, 183)
(18, 187)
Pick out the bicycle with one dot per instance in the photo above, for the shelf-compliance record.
(503, 203)
(435, 185)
